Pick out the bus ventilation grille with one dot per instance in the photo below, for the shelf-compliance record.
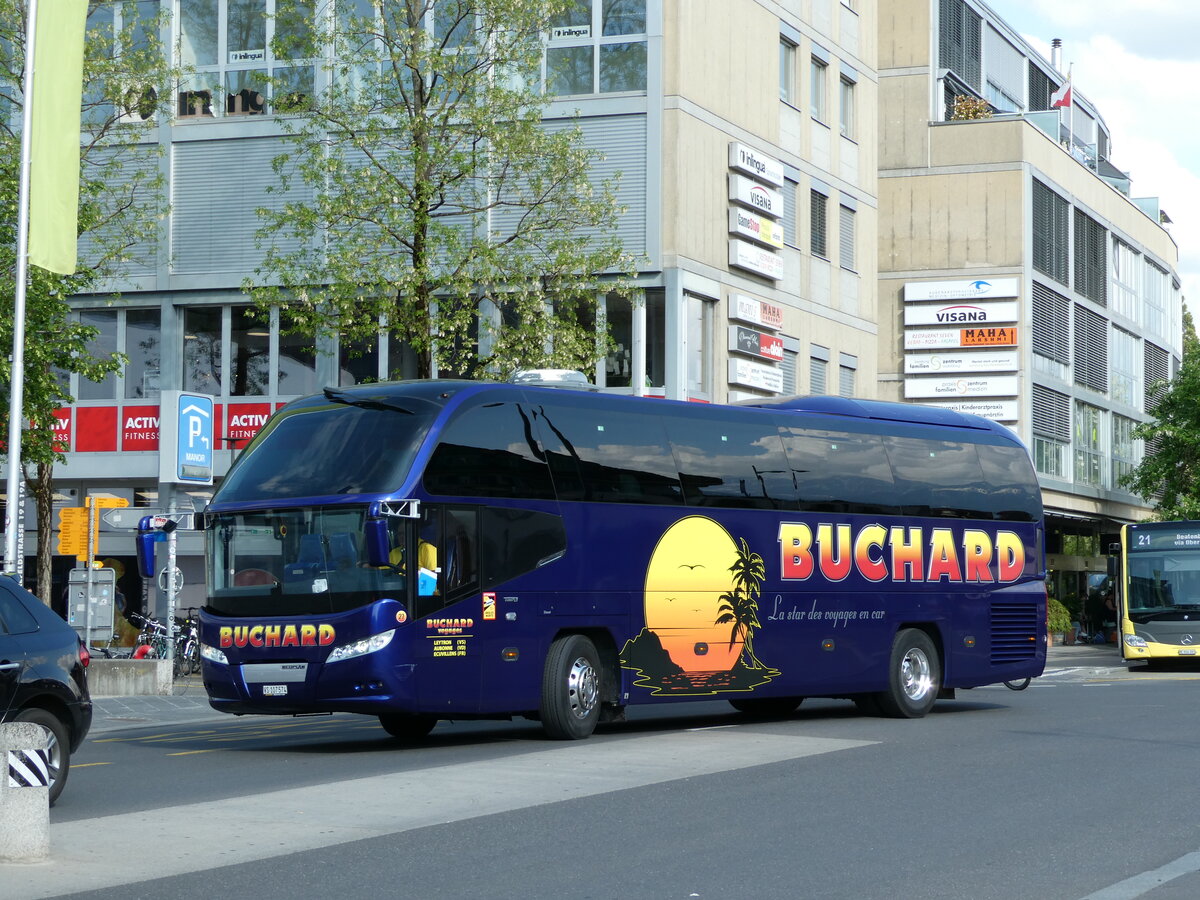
(1014, 632)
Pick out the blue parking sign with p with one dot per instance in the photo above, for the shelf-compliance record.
(194, 448)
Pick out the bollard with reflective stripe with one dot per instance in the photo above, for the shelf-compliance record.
(24, 792)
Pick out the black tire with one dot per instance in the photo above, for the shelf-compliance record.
(407, 727)
(60, 747)
(766, 707)
(1017, 684)
(571, 689)
(914, 676)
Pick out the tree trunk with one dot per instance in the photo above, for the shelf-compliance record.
(42, 488)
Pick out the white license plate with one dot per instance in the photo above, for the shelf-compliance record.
(274, 690)
(1189, 652)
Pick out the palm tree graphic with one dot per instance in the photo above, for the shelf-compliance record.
(739, 607)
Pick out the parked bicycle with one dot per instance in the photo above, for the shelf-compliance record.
(152, 641)
(187, 644)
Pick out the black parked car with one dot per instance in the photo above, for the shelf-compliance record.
(42, 675)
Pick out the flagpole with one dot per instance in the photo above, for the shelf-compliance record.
(14, 513)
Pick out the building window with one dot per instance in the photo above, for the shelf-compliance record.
(846, 96)
(847, 374)
(1091, 349)
(138, 334)
(699, 314)
(597, 46)
(817, 241)
(1051, 239)
(249, 353)
(846, 237)
(296, 366)
(1051, 431)
(1155, 300)
(1091, 265)
(1088, 446)
(1126, 368)
(1156, 373)
(960, 41)
(1124, 279)
(787, 71)
(1124, 449)
(104, 344)
(1051, 332)
(202, 346)
(818, 370)
(817, 88)
(226, 45)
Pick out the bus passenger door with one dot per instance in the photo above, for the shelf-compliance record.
(447, 647)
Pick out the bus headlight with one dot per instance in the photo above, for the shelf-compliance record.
(212, 654)
(1132, 640)
(361, 648)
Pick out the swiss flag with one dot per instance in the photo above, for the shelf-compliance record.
(1061, 97)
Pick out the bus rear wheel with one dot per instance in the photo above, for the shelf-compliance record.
(766, 707)
(571, 689)
(914, 676)
(407, 727)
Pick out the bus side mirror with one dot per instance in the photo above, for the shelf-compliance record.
(1114, 566)
(144, 543)
(376, 542)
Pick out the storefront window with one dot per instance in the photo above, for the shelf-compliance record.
(249, 353)
(202, 357)
(102, 345)
(297, 371)
(143, 346)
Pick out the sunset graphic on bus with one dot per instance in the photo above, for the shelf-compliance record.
(701, 607)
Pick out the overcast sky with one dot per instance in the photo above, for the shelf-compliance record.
(1139, 63)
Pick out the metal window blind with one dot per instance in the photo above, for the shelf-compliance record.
(818, 242)
(1051, 413)
(1050, 233)
(1156, 370)
(1051, 324)
(960, 40)
(846, 237)
(1091, 264)
(817, 369)
(1091, 349)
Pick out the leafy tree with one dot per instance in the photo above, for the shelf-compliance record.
(120, 200)
(1169, 472)
(423, 191)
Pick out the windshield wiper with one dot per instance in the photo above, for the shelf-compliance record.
(1162, 614)
(364, 402)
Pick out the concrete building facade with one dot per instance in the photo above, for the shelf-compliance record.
(1019, 278)
(746, 137)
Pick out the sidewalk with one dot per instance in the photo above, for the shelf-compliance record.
(187, 704)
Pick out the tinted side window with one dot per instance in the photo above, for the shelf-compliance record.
(489, 451)
(621, 456)
(515, 541)
(938, 478)
(839, 471)
(1013, 492)
(723, 462)
(14, 617)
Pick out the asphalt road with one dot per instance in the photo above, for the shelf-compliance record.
(1079, 787)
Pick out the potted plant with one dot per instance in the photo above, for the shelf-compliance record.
(1058, 620)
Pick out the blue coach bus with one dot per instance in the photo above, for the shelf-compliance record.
(435, 550)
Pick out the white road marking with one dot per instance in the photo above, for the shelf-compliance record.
(1145, 882)
(245, 829)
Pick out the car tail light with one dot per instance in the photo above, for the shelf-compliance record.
(85, 656)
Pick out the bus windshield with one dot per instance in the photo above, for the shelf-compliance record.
(335, 444)
(1162, 582)
(298, 561)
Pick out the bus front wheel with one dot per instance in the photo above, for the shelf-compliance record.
(571, 689)
(407, 727)
(914, 676)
